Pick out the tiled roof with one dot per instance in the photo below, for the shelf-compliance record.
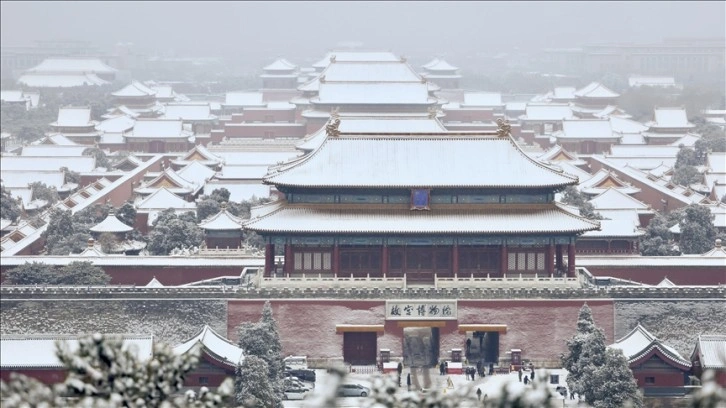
(409, 93)
(60, 80)
(439, 160)
(81, 164)
(280, 64)
(547, 112)
(502, 220)
(392, 71)
(639, 343)
(53, 150)
(670, 118)
(134, 89)
(163, 199)
(74, 117)
(614, 199)
(189, 112)
(353, 56)
(72, 65)
(118, 124)
(196, 173)
(711, 350)
(716, 162)
(158, 129)
(649, 151)
(439, 65)
(622, 125)
(585, 129)
(240, 191)
(111, 224)
(615, 228)
(564, 92)
(38, 351)
(595, 90)
(217, 346)
(222, 221)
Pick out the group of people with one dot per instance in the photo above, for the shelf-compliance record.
(443, 368)
(527, 378)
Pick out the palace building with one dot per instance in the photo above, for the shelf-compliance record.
(419, 206)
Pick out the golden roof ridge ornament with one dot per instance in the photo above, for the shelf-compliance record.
(503, 128)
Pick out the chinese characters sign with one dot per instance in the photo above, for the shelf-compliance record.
(421, 310)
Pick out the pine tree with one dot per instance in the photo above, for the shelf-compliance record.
(584, 350)
(698, 233)
(252, 387)
(612, 385)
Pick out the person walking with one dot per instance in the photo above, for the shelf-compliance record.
(408, 381)
(478, 394)
(520, 374)
(468, 346)
(531, 375)
(526, 380)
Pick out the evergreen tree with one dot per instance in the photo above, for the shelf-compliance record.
(612, 385)
(262, 339)
(101, 373)
(657, 238)
(127, 214)
(572, 196)
(698, 233)
(35, 273)
(252, 386)
(172, 231)
(9, 206)
(42, 192)
(82, 273)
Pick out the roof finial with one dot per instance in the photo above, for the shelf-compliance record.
(331, 129)
(322, 79)
(503, 127)
(718, 243)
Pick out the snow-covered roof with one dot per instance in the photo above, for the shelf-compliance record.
(710, 349)
(171, 180)
(163, 199)
(118, 124)
(38, 351)
(716, 162)
(74, 117)
(602, 180)
(666, 283)
(158, 129)
(439, 65)
(395, 71)
(196, 172)
(547, 112)
(489, 99)
(558, 153)
(643, 151)
(134, 89)
(434, 160)
(242, 172)
(244, 99)
(46, 150)
(631, 138)
(222, 221)
(280, 64)
(353, 56)
(374, 124)
(614, 199)
(111, 224)
(251, 158)
(163, 91)
(717, 251)
(80, 164)
(215, 345)
(585, 129)
(622, 125)
(72, 65)
(688, 140)
(503, 220)
(409, 93)
(199, 153)
(12, 96)
(188, 111)
(639, 343)
(595, 90)
(615, 228)
(670, 118)
(637, 81)
(60, 80)
(22, 178)
(55, 139)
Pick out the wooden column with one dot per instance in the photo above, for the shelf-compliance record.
(336, 259)
(503, 259)
(571, 260)
(559, 262)
(384, 260)
(455, 259)
(269, 259)
(289, 259)
(550, 259)
(610, 251)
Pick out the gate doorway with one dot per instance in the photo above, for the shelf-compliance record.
(420, 346)
(359, 348)
(484, 346)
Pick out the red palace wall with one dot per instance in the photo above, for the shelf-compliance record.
(539, 327)
(268, 115)
(46, 376)
(167, 275)
(653, 275)
(469, 115)
(258, 130)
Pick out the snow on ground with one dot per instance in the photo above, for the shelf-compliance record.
(490, 385)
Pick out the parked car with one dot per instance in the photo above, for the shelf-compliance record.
(353, 390)
(294, 382)
(296, 362)
(295, 393)
(303, 374)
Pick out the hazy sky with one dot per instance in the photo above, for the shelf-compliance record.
(310, 28)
